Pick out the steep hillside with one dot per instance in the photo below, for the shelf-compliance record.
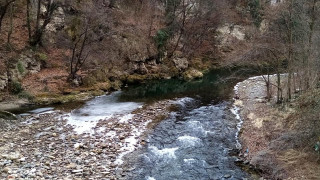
(103, 45)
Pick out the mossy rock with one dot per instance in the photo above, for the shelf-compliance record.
(136, 78)
(105, 86)
(154, 76)
(61, 99)
(192, 74)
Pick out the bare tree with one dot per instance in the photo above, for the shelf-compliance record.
(37, 35)
(78, 57)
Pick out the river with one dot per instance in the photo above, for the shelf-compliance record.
(194, 142)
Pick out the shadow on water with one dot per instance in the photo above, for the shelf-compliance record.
(214, 86)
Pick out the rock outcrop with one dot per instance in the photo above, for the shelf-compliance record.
(19, 67)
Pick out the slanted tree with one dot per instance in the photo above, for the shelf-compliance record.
(4, 5)
(10, 27)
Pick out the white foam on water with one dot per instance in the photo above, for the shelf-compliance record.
(167, 152)
(189, 140)
(197, 126)
(150, 178)
(182, 101)
(131, 142)
(236, 111)
(189, 161)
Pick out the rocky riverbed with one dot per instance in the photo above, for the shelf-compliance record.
(46, 146)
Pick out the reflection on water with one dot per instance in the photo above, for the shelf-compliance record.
(210, 87)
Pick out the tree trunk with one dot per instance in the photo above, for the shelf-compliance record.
(38, 14)
(290, 51)
(307, 65)
(11, 26)
(181, 32)
(78, 59)
(28, 19)
(278, 86)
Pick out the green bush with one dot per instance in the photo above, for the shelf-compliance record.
(161, 38)
(16, 87)
(20, 67)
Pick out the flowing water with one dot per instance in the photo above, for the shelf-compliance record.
(193, 143)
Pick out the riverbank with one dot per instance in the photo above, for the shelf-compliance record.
(46, 146)
(276, 139)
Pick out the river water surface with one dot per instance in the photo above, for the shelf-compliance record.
(193, 143)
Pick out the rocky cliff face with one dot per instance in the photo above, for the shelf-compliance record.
(18, 67)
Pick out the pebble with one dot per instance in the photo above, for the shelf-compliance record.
(6, 170)
(77, 171)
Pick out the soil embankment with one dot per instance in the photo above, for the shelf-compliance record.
(274, 140)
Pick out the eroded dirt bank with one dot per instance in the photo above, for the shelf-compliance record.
(276, 139)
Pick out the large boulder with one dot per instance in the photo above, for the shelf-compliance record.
(181, 63)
